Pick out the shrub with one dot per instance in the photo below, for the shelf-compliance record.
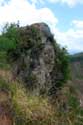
(9, 37)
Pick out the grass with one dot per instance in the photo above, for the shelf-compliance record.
(29, 109)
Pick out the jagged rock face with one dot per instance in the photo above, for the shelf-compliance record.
(42, 70)
(36, 62)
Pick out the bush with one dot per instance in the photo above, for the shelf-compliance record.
(9, 37)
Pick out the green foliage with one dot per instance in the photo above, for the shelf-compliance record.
(10, 87)
(9, 37)
(3, 84)
(3, 60)
(63, 57)
(61, 67)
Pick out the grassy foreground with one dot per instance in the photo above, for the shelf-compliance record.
(34, 110)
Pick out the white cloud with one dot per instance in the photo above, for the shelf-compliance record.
(37, 1)
(72, 38)
(70, 3)
(26, 13)
(77, 24)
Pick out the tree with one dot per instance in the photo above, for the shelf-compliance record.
(9, 37)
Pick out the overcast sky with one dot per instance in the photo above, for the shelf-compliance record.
(64, 17)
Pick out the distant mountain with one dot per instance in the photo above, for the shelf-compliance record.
(77, 70)
(77, 65)
(77, 57)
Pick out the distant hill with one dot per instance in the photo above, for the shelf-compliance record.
(77, 70)
(77, 57)
(77, 66)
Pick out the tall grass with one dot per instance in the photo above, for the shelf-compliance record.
(29, 109)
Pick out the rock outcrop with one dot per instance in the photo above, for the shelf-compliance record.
(37, 59)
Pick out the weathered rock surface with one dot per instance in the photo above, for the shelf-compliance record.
(37, 60)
